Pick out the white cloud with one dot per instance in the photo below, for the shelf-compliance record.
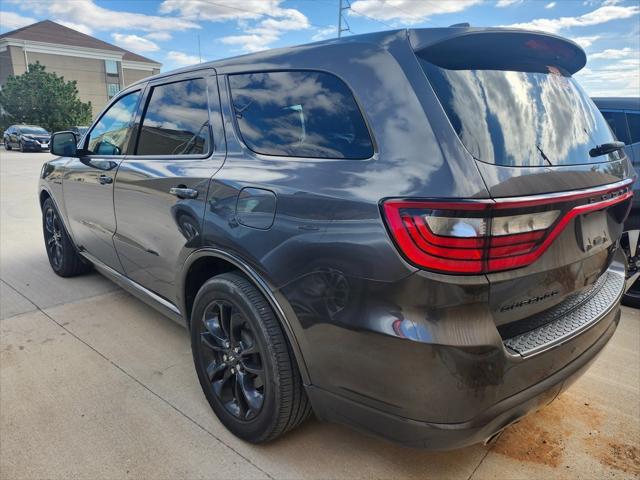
(619, 79)
(549, 6)
(249, 43)
(76, 26)
(614, 54)
(598, 16)
(95, 17)
(268, 30)
(11, 20)
(507, 3)
(586, 42)
(181, 59)
(134, 43)
(272, 20)
(612, 72)
(221, 10)
(323, 33)
(159, 36)
(623, 65)
(408, 11)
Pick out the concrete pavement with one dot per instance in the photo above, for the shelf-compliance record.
(95, 384)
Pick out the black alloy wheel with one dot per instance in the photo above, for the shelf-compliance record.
(63, 256)
(244, 363)
(53, 237)
(232, 359)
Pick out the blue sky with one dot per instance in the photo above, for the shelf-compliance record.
(168, 30)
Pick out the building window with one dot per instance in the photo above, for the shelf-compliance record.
(112, 89)
(111, 66)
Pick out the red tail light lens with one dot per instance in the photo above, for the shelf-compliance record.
(483, 236)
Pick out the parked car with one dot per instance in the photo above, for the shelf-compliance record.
(623, 116)
(79, 131)
(26, 137)
(411, 232)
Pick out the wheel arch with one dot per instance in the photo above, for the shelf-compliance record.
(42, 197)
(205, 263)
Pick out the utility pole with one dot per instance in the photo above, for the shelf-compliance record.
(340, 19)
(341, 9)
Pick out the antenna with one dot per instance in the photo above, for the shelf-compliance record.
(342, 18)
(199, 52)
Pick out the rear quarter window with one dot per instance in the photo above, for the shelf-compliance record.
(299, 114)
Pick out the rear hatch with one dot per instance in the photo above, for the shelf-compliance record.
(559, 200)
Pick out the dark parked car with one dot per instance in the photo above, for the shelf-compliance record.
(79, 131)
(623, 116)
(411, 232)
(26, 137)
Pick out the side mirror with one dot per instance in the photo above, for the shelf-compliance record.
(64, 144)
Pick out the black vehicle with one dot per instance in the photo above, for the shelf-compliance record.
(26, 137)
(623, 116)
(79, 131)
(411, 232)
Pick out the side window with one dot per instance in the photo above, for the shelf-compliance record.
(618, 125)
(299, 114)
(111, 134)
(633, 119)
(176, 120)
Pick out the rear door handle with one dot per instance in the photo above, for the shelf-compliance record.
(105, 180)
(183, 192)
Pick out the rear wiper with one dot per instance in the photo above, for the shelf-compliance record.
(546, 159)
(606, 148)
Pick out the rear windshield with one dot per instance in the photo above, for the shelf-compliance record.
(529, 116)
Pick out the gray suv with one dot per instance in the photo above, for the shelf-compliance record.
(412, 232)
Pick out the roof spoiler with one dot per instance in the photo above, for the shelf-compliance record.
(495, 48)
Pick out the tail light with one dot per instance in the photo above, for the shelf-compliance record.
(483, 236)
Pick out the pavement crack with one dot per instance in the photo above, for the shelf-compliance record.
(180, 412)
(480, 462)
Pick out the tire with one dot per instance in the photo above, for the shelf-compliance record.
(245, 365)
(7, 146)
(631, 247)
(631, 299)
(63, 256)
(20, 144)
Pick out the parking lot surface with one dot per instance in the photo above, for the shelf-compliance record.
(95, 384)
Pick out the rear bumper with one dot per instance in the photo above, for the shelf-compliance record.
(445, 436)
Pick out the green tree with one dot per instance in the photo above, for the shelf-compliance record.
(42, 98)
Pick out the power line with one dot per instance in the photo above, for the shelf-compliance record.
(368, 17)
